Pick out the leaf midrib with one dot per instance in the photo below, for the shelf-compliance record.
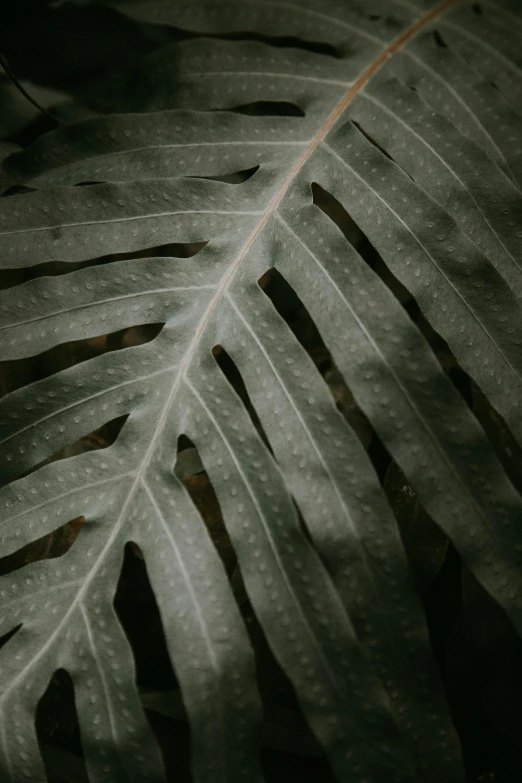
(370, 70)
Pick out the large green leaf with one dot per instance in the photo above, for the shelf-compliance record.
(401, 125)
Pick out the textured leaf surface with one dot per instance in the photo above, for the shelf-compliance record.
(400, 124)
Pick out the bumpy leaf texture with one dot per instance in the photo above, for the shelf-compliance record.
(408, 114)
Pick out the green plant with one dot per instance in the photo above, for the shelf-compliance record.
(223, 167)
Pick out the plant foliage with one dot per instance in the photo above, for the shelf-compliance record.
(405, 116)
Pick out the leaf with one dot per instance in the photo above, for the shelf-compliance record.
(316, 543)
(280, 733)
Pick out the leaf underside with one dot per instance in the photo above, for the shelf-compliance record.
(411, 123)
